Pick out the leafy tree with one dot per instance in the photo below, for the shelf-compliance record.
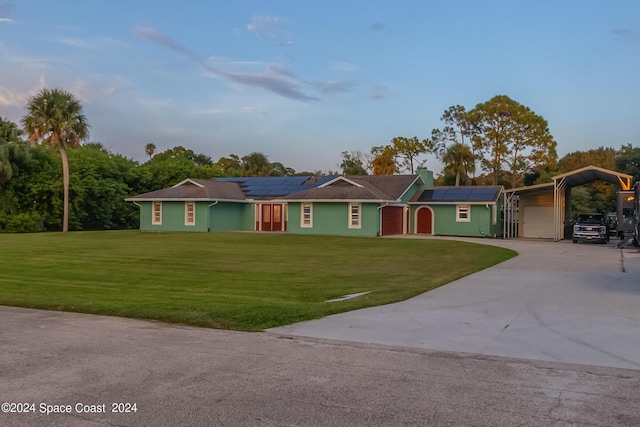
(256, 164)
(55, 117)
(353, 163)
(230, 166)
(383, 162)
(100, 182)
(150, 150)
(34, 189)
(12, 148)
(278, 169)
(602, 157)
(628, 161)
(408, 149)
(512, 138)
(9, 132)
(201, 159)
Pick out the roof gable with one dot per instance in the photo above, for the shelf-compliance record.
(593, 173)
(340, 180)
(195, 189)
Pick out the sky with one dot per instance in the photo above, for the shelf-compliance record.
(303, 81)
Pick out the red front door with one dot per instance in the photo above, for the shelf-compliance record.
(425, 219)
(271, 217)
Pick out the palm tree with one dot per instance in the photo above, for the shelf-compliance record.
(459, 159)
(150, 150)
(55, 117)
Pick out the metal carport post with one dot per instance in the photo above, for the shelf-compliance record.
(510, 214)
(559, 188)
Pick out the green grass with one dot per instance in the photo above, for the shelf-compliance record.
(242, 281)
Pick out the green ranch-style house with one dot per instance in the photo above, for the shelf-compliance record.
(362, 205)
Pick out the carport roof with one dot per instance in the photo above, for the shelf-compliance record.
(579, 177)
(593, 173)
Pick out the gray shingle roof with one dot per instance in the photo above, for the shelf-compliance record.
(367, 187)
(205, 189)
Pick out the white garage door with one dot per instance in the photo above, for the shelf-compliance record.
(538, 222)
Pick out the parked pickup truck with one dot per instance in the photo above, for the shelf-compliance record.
(590, 227)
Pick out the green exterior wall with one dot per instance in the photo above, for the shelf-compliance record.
(223, 216)
(173, 217)
(333, 218)
(228, 216)
(444, 219)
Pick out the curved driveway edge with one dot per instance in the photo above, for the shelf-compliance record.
(556, 301)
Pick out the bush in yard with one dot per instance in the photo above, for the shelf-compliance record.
(27, 222)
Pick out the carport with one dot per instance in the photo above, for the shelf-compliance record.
(539, 211)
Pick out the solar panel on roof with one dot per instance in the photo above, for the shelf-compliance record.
(458, 194)
(483, 194)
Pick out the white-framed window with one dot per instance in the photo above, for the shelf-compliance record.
(494, 214)
(156, 213)
(306, 215)
(463, 213)
(189, 213)
(354, 215)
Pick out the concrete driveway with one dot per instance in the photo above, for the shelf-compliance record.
(556, 301)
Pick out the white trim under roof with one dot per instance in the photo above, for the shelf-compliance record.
(340, 178)
(189, 180)
(181, 199)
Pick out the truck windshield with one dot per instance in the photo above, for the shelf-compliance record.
(590, 219)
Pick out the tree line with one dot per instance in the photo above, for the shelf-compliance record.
(31, 182)
(501, 137)
(503, 140)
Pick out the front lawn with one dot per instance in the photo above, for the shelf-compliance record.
(243, 281)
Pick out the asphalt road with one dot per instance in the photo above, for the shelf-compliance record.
(183, 376)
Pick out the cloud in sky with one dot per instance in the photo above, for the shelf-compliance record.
(5, 11)
(270, 28)
(280, 80)
(345, 66)
(75, 42)
(334, 87)
(623, 32)
(11, 98)
(379, 92)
